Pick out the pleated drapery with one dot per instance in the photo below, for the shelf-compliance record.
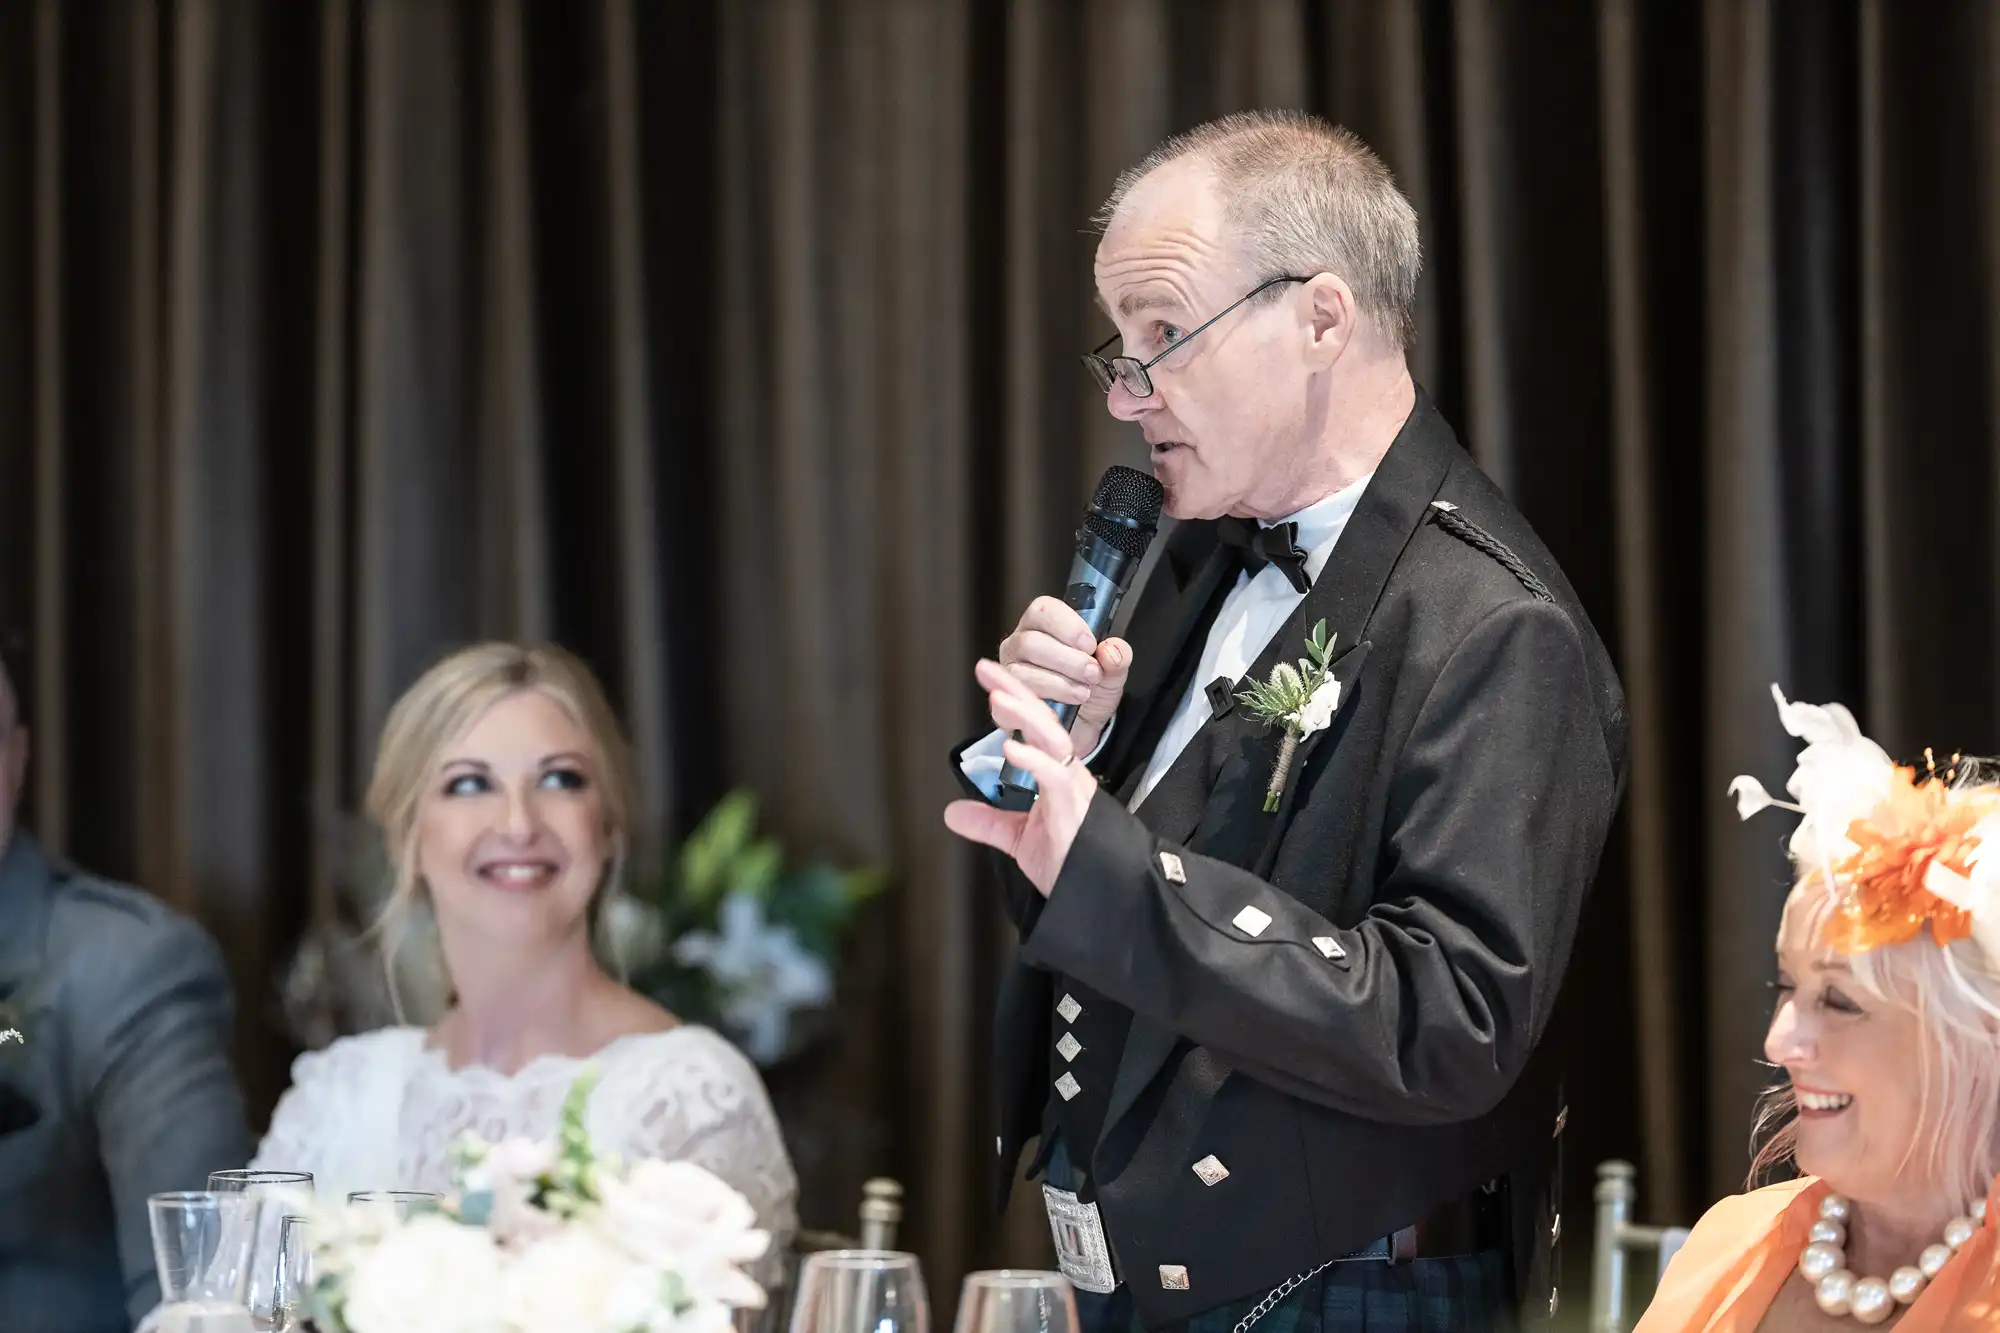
(733, 344)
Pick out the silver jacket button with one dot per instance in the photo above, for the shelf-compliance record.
(1252, 921)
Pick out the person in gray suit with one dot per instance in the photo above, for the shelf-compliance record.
(119, 1086)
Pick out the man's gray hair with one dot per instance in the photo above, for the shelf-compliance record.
(1306, 197)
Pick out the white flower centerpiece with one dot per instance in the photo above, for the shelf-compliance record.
(543, 1237)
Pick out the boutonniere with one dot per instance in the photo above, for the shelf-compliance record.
(16, 1007)
(1301, 699)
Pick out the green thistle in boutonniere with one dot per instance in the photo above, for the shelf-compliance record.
(1301, 699)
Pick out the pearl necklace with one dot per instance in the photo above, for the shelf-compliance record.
(1871, 1299)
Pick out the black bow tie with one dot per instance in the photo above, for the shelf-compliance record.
(1259, 546)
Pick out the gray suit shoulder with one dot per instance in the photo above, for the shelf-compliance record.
(105, 937)
(85, 908)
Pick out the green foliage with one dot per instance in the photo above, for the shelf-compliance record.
(726, 856)
(1283, 697)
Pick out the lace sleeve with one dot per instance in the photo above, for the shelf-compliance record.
(333, 1100)
(301, 1125)
(697, 1099)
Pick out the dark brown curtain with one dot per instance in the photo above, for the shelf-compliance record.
(730, 341)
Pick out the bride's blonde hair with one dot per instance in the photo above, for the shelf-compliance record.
(442, 706)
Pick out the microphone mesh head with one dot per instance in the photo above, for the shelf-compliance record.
(1125, 512)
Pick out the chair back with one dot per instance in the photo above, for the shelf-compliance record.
(1616, 1237)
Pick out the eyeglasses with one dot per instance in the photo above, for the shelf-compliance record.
(1131, 371)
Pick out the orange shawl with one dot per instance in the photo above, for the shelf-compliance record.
(1747, 1247)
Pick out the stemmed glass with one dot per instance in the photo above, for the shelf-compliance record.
(1016, 1302)
(276, 1196)
(403, 1204)
(861, 1291)
(295, 1274)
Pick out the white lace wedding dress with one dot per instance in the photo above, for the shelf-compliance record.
(381, 1111)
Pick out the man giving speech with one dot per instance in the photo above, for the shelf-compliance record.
(1298, 890)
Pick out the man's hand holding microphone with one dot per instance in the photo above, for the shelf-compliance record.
(1057, 685)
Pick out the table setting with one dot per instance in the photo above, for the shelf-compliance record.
(536, 1236)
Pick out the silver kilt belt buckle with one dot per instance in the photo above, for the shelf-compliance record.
(1081, 1250)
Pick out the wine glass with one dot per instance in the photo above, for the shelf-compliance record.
(295, 1274)
(245, 1181)
(402, 1204)
(202, 1249)
(1016, 1302)
(278, 1195)
(861, 1291)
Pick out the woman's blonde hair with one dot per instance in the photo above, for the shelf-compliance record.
(442, 706)
(1954, 992)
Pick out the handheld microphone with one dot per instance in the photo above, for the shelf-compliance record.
(1110, 546)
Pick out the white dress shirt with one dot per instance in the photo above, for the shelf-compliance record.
(1250, 616)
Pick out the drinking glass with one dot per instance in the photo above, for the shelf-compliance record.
(278, 1195)
(861, 1291)
(402, 1203)
(1016, 1302)
(295, 1274)
(245, 1181)
(202, 1251)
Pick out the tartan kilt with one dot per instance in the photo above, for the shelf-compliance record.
(1467, 1293)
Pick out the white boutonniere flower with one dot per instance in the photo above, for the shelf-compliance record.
(1302, 699)
(17, 1008)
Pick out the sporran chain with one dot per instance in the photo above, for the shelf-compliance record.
(1279, 1292)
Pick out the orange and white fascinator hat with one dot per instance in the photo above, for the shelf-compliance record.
(1900, 848)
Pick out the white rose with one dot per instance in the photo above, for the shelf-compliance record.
(509, 1173)
(1319, 710)
(521, 1159)
(429, 1276)
(682, 1200)
(678, 1217)
(509, 1167)
(516, 1222)
(576, 1282)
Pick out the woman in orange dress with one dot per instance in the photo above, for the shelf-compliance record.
(1888, 1027)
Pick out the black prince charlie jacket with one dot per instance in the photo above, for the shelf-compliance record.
(1371, 1052)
